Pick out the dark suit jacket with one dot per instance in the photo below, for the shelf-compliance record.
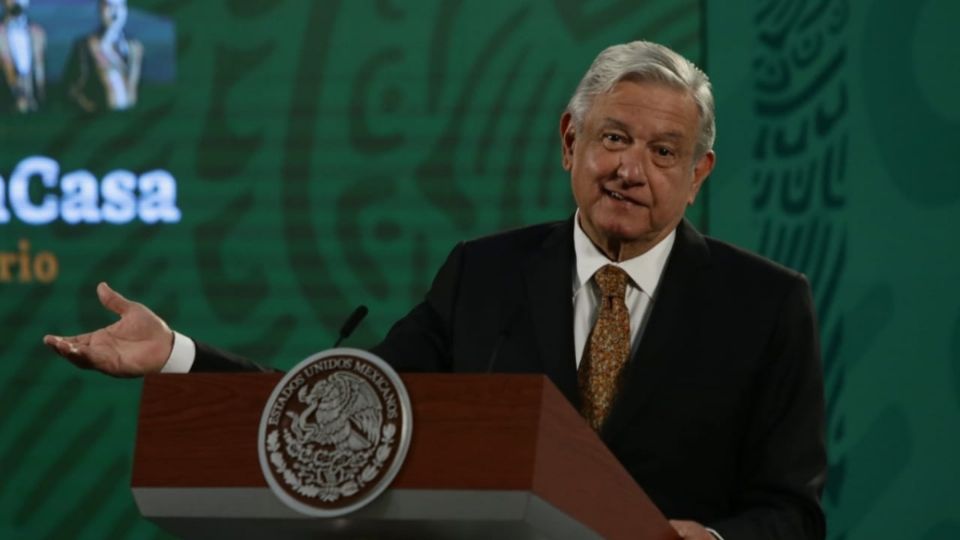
(26, 94)
(85, 84)
(720, 418)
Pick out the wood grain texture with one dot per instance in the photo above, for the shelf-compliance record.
(200, 430)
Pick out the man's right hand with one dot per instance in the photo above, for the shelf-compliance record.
(137, 344)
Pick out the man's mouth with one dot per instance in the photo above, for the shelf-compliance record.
(617, 197)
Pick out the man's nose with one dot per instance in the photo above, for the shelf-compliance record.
(630, 169)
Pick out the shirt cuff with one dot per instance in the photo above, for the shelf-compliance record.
(181, 355)
(714, 533)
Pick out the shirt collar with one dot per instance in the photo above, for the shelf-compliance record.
(644, 270)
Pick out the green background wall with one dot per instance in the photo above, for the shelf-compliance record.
(330, 153)
(838, 125)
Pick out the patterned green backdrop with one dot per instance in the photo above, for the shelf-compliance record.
(329, 153)
(837, 126)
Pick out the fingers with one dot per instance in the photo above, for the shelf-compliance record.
(79, 339)
(112, 300)
(81, 353)
(690, 529)
(71, 349)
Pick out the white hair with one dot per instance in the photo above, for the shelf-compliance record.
(646, 61)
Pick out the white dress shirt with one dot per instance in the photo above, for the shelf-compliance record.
(181, 355)
(21, 51)
(644, 271)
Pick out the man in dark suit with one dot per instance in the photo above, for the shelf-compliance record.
(23, 46)
(103, 72)
(696, 362)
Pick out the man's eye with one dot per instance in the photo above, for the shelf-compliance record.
(664, 156)
(614, 139)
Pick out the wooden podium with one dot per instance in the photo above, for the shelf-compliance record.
(492, 456)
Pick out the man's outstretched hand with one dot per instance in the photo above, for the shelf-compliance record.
(691, 530)
(137, 344)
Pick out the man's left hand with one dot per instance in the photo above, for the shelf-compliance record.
(691, 530)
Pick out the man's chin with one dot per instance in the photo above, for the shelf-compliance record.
(626, 231)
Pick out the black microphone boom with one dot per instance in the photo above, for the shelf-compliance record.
(351, 324)
(501, 337)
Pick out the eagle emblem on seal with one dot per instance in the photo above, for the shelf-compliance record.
(337, 443)
(342, 411)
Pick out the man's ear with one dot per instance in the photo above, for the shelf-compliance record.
(701, 171)
(568, 133)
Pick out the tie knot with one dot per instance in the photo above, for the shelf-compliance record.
(612, 281)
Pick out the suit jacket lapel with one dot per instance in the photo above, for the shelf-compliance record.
(548, 281)
(676, 301)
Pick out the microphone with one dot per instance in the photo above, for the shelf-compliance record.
(501, 337)
(351, 324)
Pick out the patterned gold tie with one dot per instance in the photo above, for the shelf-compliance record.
(607, 349)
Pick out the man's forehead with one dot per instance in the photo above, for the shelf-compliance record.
(670, 119)
(645, 91)
(615, 123)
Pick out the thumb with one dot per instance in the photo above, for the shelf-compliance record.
(112, 300)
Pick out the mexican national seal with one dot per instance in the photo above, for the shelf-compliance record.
(334, 432)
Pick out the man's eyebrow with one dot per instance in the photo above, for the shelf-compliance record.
(609, 121)
(670, 135)
(613, 122)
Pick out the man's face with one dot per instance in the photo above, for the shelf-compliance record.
(16, 7)
(113, 12)
(631, 165)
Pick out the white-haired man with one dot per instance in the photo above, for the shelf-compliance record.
(696, 362)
